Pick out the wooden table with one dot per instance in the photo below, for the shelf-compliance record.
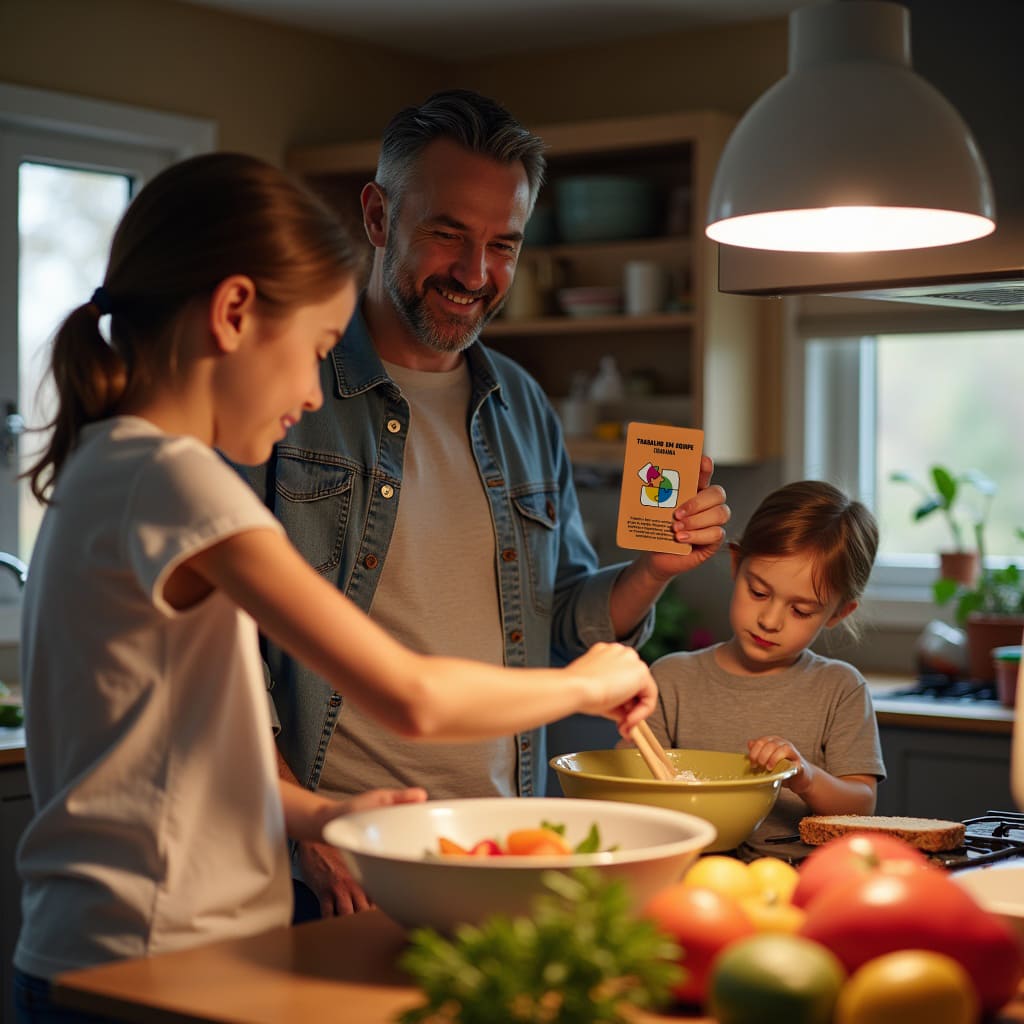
(341, 968)
(337, 969)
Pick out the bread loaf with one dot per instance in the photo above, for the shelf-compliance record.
(931, 834)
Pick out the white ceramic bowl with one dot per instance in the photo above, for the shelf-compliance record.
(391, 850)
(998, 889)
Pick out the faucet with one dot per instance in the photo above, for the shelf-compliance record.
(14, 565)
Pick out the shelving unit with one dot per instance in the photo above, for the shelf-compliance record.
(717, 354)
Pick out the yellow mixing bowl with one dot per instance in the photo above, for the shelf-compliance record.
(728, 792)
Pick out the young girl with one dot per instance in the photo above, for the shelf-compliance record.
(160, 821)
(800, 567)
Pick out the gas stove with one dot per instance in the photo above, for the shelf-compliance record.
(994, 836)
(937, 687)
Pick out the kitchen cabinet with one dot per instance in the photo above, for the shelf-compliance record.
(15, 812)
(944, 773)
(707, 360)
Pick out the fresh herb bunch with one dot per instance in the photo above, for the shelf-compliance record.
(578, 959)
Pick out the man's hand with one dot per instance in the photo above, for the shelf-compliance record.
(322, 867)
(698, 522)
(325, 873)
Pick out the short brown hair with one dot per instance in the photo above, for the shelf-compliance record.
(811, 517)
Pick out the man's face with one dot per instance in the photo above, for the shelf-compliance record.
(451, 251)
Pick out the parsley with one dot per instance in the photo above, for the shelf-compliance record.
(578, 959)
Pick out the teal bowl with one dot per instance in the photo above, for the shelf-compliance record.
(605, 208)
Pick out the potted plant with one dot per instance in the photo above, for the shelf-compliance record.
(991, 610)
(961, 563)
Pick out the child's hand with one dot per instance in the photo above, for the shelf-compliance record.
(767, 751)
(370, 799)
(624, 688)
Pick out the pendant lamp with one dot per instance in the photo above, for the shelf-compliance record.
(851, 151)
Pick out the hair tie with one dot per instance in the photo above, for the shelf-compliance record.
(102, 301)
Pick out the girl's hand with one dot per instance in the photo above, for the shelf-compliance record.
(624, 688)
(767, 751)
(370, 799)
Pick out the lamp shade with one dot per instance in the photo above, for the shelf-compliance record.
(851, 151)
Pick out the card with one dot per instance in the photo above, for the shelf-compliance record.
(661, 471)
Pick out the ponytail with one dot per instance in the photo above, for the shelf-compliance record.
(90, 378)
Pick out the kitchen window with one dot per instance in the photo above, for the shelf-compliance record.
(68, 168)
(870, 404)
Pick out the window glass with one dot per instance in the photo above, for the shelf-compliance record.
(952, 399)
(66, 218)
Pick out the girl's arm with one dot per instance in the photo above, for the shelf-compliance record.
(823, 793)
(415, 695)
(306, 813)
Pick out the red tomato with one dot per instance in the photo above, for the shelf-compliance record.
(899, 906)
(851, 856)
(703, 922)
(486, 848)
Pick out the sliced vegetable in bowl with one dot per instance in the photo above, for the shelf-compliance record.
(547, 839)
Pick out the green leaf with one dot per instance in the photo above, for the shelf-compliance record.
(945, 484)
(944, 590)
(551, 826)
(592, 842)
(926, 508)
(579, 959)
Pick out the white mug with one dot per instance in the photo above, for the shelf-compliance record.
(645, 287)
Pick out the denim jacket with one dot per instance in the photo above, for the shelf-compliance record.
(335, 483)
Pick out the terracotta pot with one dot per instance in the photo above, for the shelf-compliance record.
(961, 566)
(986, 632)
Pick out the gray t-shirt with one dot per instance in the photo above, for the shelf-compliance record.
(438, 594)
(822, 706)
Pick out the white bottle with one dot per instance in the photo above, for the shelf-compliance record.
(607, 386)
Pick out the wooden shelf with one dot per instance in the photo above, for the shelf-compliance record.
(585, 451)
(589, 324)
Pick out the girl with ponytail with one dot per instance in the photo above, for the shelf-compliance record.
(160, 822)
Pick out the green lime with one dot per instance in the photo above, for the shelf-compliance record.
(774, 977)
(11, 716)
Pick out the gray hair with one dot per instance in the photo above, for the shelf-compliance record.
(475, 122)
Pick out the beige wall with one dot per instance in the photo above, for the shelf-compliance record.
(265, 86)
(269, 87)
(714, 69)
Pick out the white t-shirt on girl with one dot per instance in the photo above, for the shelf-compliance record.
(158, 819)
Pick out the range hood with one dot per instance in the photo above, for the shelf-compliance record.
(971, 53)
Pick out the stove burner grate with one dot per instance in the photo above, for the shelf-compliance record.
(993, 836)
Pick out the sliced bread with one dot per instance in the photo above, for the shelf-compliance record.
(932, 834)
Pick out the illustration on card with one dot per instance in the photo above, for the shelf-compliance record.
(660, 486)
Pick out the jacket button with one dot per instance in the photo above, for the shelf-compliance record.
(394, 426)
(516, 636)
(550, 509)
(371, 561)
(509, 555)
(387, 491)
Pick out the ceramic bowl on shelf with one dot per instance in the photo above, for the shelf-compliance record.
(590, 301)
(393, 853)
(725, 789)
(597, 208)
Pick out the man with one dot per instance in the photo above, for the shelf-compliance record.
(433, 486)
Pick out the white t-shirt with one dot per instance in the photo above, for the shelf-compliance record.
(158, 819)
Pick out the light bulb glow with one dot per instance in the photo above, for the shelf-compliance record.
(850, 229)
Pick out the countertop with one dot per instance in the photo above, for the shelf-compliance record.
(279, 977)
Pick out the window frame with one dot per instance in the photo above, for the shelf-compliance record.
(58, 128)
(899, 594)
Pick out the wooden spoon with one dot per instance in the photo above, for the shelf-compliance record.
(651, 751)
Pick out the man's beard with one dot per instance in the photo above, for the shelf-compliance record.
(440, 333)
